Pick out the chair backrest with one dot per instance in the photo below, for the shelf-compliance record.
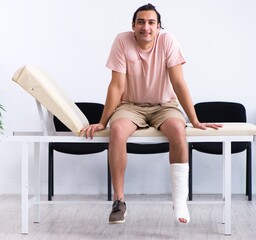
(92, 111)
(220, 112)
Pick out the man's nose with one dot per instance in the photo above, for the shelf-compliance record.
(146, 25)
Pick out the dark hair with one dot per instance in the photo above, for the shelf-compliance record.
(147, 7)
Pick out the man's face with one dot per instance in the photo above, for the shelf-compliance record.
(145, 28)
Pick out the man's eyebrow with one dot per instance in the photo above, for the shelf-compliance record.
(142, 19)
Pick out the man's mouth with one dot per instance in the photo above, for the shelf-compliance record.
(145, 34)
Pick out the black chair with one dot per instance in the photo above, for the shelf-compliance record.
(93, 112)
(222, 112)
(137, 148)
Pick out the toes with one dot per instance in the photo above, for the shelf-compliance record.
(181, 213)
(182, 220)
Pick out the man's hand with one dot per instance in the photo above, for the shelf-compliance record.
(91, 129)
(208, 125)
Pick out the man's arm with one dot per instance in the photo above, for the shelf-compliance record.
(114, 95)
(181, 89)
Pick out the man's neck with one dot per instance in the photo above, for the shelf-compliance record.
(145, 45)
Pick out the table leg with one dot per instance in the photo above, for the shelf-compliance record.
(24, 189)
(227, 182)
(37, 182)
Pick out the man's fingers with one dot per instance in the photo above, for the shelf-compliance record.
(213, 125)
(89, 131)
(204, 126)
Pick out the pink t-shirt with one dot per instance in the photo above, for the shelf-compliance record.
(147, 77)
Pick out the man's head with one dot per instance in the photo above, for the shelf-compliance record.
(146, 24)
(147, 7)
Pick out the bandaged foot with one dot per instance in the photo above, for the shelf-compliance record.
(179, 178)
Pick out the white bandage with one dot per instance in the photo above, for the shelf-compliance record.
(179, 179)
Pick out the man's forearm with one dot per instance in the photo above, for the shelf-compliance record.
(112, 101)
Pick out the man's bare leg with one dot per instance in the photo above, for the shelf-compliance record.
(174, 129)
(120, 130)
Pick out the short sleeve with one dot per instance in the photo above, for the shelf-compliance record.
(173, 51)
(116, 60)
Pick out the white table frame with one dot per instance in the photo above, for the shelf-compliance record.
(36, 139)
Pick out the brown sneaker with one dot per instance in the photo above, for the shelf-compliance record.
(118, 212)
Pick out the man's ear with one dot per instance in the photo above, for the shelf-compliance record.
(133, 26)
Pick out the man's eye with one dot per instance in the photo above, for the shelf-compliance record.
(140, 22)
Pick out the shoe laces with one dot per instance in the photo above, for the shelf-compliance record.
(116, 206)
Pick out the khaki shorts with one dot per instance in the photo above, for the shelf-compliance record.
(147, 115)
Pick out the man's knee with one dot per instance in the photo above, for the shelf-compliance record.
(121, 129)
(174, 126)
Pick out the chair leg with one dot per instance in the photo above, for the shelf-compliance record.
(249, 172)
(50, 173)
(190, 177)
(109, 183)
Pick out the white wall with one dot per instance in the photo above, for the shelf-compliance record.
(71, 40)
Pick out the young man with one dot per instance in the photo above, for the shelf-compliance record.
(146, 88)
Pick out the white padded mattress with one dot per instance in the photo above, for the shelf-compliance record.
(40, 85)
